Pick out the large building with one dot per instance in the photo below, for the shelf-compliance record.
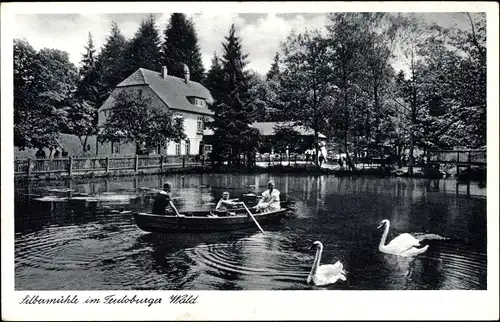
(181, 96)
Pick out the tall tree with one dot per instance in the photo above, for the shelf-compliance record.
(263, 97)
(273, 85)
(181, 47)
(87, 95)
(306, 80)
(233, 107)
(143, 51)
(44, 84)
(215, 79)
(274, 71)
(347, 42)
(380, 31)
(234, 63)
(111, 63)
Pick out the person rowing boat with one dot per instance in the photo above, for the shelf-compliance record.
(225, 204)
(163, 204)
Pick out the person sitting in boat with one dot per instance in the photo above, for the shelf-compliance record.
(163, 204)
(225, 204)
(270, 199)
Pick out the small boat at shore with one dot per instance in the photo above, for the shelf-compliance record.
(206, 221)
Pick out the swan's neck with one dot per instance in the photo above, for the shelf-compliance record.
(316, 260)
(384, 236)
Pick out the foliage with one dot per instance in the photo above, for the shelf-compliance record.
(110, 63)
(286, 137)
(82, 113)
(306, 79)
(143, 51)
(181, 47)
(133, 119)
(233, 106)
(44, 84)
(214, 81)
(233, 136)
(80, 116)
(274, 71)
(263, 98)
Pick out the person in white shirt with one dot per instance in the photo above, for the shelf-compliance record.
(270, 199)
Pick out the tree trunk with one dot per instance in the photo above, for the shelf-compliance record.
(346, 129)
(85, 141)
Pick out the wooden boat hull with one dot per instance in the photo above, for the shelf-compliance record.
(201, 222)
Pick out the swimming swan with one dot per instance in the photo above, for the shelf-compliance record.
(404, 245)
(324, 274)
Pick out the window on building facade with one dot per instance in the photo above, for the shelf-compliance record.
(177, 149)
(188, 147)
(199, 125)
(200, 102)
(115, 147)
(197, 101)
(140, 93)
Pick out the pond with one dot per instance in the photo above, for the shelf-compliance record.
(81, 245)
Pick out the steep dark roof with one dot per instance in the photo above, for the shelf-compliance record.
(173, 91)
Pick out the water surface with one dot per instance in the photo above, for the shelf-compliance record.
(78, 245)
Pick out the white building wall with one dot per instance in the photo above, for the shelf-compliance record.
(190, 122)
(191, 129)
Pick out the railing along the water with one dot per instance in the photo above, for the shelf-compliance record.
(104, 164)
(462, 157)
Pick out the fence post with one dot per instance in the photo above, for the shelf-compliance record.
(458, 161)
(70, 165)
(161, 162)
(136, 163)
(202, 160)
(107, 164)
(183, 161)
(29, 167)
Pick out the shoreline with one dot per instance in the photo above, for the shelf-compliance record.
(476, 175)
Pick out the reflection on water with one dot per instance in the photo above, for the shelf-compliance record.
(81, 235)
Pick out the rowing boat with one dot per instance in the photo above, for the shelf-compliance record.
(205, 221)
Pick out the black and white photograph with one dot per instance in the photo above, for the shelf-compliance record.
(166, 149)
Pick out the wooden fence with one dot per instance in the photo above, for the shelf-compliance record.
(462, 157)
(79, 165)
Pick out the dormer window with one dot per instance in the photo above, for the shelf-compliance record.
(197, 101)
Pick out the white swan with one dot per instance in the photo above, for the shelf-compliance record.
(324, 274)
(404, 245)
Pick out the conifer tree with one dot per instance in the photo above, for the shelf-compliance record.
(233, 108)
(215, 79)
(143, 51)
(81, 117)
(89, 77)
(234, 62)
(111, 63)
(181, 47)
(274, 71)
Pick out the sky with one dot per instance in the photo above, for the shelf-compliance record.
(261, 34)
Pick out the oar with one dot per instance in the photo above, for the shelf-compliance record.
(254, 220)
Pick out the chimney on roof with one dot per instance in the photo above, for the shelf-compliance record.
(164, 72)
(186, 73)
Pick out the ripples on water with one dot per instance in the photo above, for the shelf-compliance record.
(60, 246)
